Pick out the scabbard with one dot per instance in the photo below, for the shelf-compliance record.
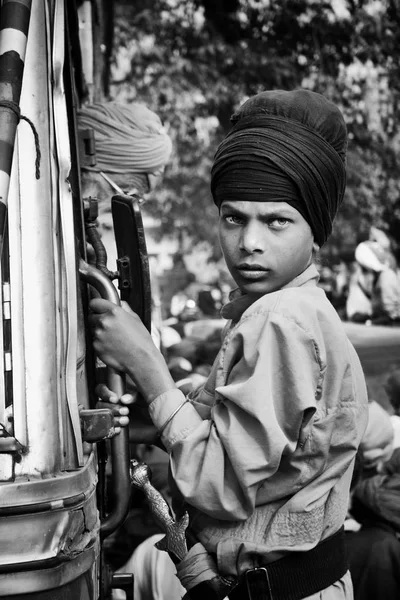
(198, 573)
(196, 568)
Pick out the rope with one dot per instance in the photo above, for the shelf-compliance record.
(99, 250)
(14, 107)
(37, 146)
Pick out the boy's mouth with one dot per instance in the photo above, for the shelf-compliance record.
(251, 271)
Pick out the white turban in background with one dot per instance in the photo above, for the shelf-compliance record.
(130, 140)
(371, 255)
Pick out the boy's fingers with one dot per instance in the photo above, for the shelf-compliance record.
(106, 394)
(119, 423)
(128, 399)
(99, 305)
(126, 307)
(120, 413)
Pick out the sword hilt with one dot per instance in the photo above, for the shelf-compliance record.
(175, 538)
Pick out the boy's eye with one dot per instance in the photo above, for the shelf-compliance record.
(278, 223)
(233, 219)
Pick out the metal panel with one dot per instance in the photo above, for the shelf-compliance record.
(83, 569)
(16, 303)
(3, 417)
(32, 252)
(22, 493)
(66, 248)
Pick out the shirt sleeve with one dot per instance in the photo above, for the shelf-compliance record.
(271, 375)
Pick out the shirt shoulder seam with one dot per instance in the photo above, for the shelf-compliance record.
(272, 310)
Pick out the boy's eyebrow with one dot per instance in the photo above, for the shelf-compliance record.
(231, 208)
(276, 213)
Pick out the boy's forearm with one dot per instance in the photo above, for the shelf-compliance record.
(154, 380)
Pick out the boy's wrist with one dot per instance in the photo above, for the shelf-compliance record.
(153, 381)
(158, 389)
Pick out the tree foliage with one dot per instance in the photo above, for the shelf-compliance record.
(195, 61)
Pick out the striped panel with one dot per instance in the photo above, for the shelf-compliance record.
(15, 14)
(12, 40)
(6, 153)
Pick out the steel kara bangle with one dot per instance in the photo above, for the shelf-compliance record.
(171, 416)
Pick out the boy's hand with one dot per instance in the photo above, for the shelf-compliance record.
(118, 334)
(121, 341)
(109, 399)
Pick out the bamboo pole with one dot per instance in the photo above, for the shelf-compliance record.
(14, 25)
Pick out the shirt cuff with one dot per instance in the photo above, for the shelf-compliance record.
(185, 420)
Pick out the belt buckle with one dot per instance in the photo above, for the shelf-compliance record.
(258, 584)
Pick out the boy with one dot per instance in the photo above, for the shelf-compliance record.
(262, 456)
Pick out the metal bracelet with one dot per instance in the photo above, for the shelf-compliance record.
(171, 416)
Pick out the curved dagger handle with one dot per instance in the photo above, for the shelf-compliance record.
(174, 541)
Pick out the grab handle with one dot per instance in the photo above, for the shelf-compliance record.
(121, 484)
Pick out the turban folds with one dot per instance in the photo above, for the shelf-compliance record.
(285, 147)
(130, 139)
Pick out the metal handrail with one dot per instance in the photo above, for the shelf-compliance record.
(121, 484)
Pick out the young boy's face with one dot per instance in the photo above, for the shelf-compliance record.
(265, 244)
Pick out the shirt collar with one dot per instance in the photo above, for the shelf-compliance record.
(239, 302)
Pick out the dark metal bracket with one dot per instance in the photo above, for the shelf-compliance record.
(96, 424)
(125, 273)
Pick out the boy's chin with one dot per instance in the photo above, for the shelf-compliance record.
(258, 289)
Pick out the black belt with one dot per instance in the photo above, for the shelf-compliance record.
(293, 577)
(297, 575)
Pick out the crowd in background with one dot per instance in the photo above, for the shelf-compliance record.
(373, 524)
(368, 289)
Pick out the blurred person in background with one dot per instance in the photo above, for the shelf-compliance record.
(392, 389)
(377, 444)
(132, 149)
(341, 277)
(375, 292)
(131, 152)
(358, 301)
(327, 281)
(380, 237)
(373, 545)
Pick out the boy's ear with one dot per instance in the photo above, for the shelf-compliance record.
(315, 248)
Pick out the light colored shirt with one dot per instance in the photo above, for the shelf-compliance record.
(263, 454)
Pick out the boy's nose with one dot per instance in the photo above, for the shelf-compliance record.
(253, 238)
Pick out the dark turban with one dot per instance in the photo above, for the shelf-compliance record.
(285, 147)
